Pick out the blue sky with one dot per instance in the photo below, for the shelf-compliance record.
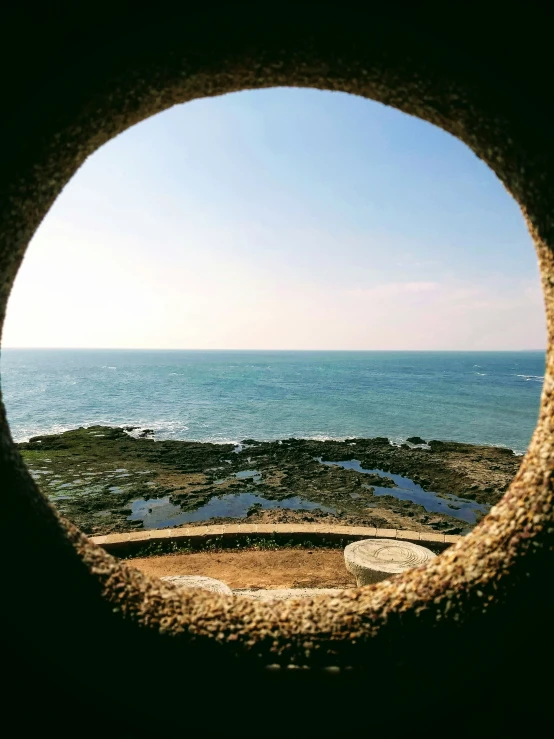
(281, 219)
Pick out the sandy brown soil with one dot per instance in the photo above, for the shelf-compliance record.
(280, 568)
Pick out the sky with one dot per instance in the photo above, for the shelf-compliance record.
(281, 219)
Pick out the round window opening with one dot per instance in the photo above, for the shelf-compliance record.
(217, 283)
(333, 630)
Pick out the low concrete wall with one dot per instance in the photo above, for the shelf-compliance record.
(198, 536)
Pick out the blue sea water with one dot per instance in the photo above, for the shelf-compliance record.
(223, 396)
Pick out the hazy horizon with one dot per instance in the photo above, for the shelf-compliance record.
(281, 220)
(261, 349)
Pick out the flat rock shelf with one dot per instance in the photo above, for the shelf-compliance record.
(106, 481)
(372, 560)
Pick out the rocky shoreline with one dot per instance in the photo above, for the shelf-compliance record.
(107, 480)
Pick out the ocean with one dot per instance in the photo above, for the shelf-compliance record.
(227, 396)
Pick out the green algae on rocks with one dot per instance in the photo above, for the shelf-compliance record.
(94, 475)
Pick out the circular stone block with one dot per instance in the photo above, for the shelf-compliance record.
(372, 560)
(197, 581)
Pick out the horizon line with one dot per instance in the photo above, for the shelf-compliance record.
(187, 349)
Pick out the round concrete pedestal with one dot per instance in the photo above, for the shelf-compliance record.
(197, 581)
(372, 560)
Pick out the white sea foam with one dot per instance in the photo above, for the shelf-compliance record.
(166, 429)
(163, 429)
(532, 378)
(27, 432)
(398, 441)
(172, 430)
(324, 437)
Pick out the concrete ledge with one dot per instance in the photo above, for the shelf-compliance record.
(198, 536)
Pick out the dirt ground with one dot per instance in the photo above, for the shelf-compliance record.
(280, 568)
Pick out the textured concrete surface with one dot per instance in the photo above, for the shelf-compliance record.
(198, 581)
(286, 593)
(73, 78)
(373, 560)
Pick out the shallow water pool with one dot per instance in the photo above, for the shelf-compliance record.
(407, 489)
(159, 513)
